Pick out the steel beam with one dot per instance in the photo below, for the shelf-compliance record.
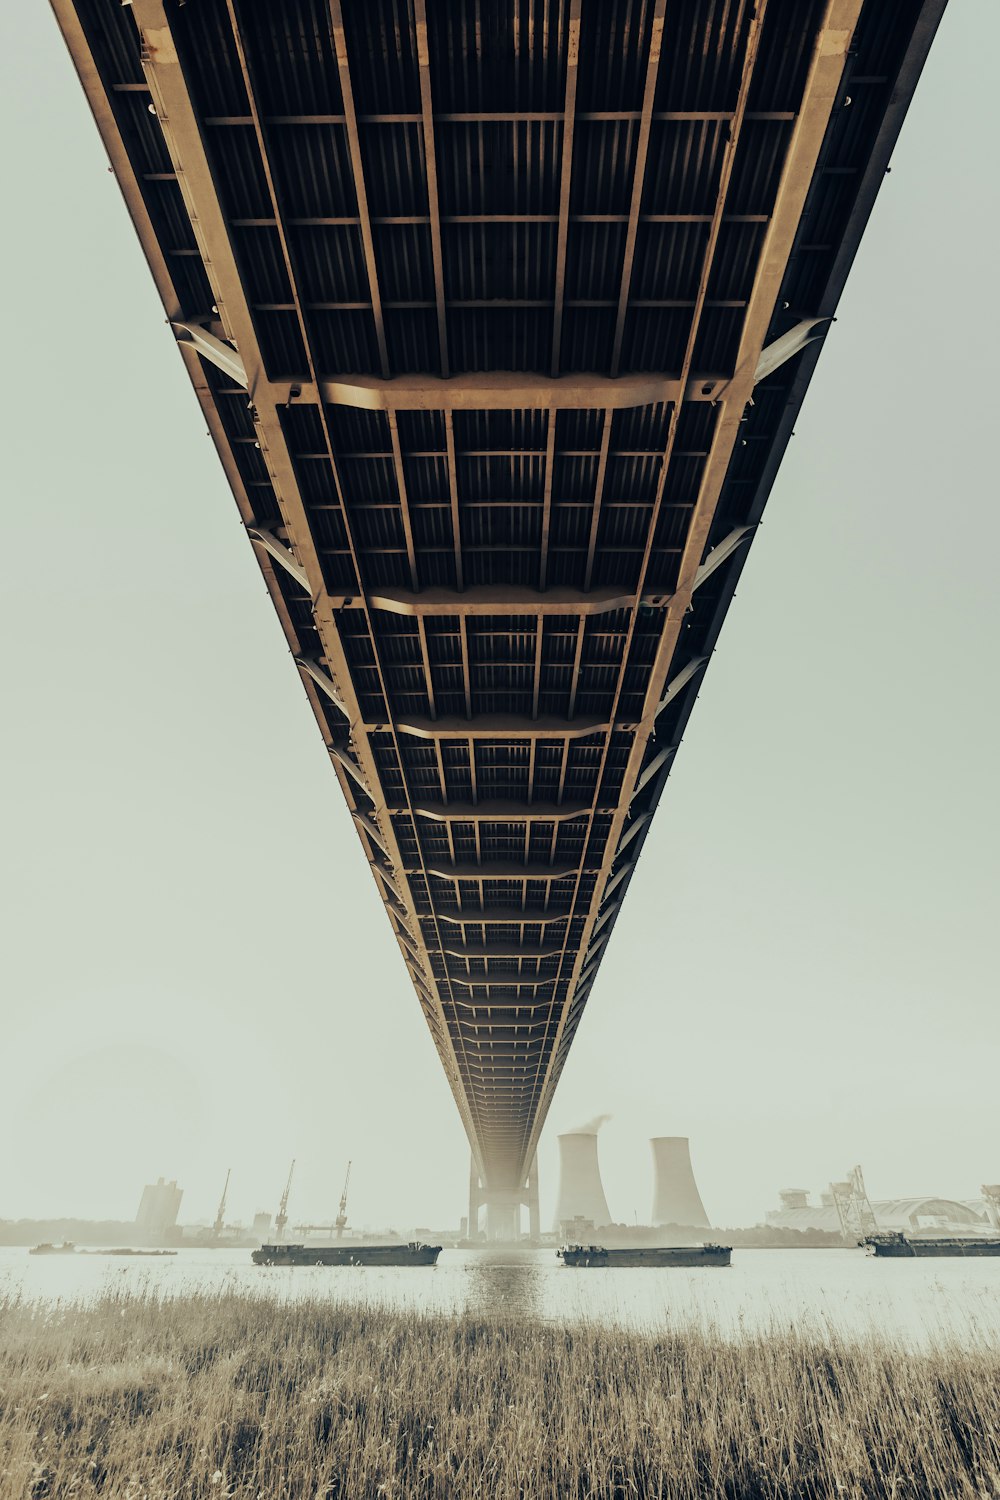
(324, 682)
(352, 768)
(500, 870)
(218, 353)
(281, 554)
(654, 767)
(500, 812)
(787, 346)
(507, 916)
(430, 173)
(566, 176)
(372, 829)
(502, 727)
(502, 391)
(638, 176)
(358, 172)
(678, 683)
(632, 829)
(722, 553)
(500, 599)
(532, 952)
(607, 912)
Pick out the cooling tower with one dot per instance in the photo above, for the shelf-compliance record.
(676, 1199)
(581, 1194)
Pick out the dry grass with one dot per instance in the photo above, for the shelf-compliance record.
(240, 1396)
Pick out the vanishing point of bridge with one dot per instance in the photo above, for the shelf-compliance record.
(500, 313)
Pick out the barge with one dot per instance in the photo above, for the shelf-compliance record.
(650, 1255)
(897, 1245)
(413, 1254)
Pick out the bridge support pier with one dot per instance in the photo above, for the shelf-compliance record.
(503, 1206)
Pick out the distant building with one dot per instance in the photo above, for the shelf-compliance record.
(159, 1206)
(261, 1225)
(907, 1215)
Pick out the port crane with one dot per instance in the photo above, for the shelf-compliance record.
(281, 1218)
(341, 1220)
(220, 1216)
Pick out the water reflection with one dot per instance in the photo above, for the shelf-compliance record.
(505, 1282)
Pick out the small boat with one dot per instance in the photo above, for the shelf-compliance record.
(66, 1248)
(413, 1254)
(648, 1255)
(896, 1245)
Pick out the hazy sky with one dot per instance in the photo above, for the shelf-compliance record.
(197, 969)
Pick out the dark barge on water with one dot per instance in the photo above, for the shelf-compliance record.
(413, 1254)
(648, 1255)
(896, 1245)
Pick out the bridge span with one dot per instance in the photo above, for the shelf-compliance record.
(500, 313)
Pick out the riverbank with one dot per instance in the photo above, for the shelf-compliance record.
(140, 1399)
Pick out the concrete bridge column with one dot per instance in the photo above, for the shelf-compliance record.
(475, 1198)
(503, 1206)
(534, 1217)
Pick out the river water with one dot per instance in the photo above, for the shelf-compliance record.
(829, 1291)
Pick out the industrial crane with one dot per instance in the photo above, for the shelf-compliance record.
(281, 1218)
(341, 1219)
(220, 1216)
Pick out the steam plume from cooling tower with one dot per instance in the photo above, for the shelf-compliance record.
(581, 1192)
(591, 1127)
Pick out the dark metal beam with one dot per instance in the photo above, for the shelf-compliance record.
(638, 177)
(430, 173)
(566, 175)
(358, 171)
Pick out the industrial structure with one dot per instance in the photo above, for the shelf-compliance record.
(281, 1217)
(158, 1207)
(218, 1228)
(910, 1216)
(500, 316)
(581, 1192)
(991, 1202)
(854, 1209)
(676, 1199)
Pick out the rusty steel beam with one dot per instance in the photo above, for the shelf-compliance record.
(565, 182)
(358, 170)
(638, 177)
(430, 172)
(500, 599)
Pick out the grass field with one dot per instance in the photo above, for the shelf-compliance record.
(240, 1396)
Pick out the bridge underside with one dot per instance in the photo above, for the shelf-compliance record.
(474, 295)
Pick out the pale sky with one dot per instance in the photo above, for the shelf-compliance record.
(197, 969)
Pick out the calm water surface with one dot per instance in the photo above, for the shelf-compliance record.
(839, 1290)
